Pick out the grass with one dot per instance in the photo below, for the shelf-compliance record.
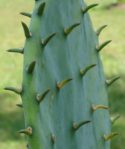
(11, 35)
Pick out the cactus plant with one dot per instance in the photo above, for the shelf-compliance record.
(64, 89)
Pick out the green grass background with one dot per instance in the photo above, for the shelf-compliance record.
(11, 36)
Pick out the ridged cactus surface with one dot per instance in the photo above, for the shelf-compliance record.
(64, 89)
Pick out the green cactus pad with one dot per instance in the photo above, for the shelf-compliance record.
(64, 96)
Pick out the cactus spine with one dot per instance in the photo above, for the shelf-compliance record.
(64, 90)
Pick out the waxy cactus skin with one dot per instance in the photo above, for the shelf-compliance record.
(64, 89)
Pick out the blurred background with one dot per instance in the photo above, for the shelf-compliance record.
(110, 12)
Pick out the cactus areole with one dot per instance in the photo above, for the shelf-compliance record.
(64, 90)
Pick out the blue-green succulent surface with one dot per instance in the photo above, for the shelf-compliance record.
(64, 90)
